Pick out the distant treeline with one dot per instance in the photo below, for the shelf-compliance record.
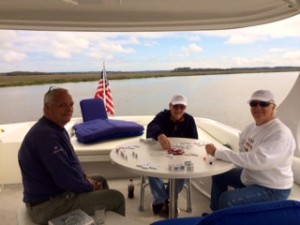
(179, 69)
(238, 70)
(21, 78)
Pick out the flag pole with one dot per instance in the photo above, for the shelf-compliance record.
(104, 92)
(104, 83)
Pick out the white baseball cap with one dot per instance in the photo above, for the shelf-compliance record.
(262, 95)
(179, 100)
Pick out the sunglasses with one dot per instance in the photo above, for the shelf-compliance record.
(182, 107)
(261, 104)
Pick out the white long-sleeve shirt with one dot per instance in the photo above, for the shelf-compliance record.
(266, 154)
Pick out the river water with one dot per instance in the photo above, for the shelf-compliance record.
(219, 97)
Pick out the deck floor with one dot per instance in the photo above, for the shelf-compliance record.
(11, 198)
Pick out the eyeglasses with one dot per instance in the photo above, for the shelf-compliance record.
(182, 107)
(261, 104)
(51, 88)
(50, 91)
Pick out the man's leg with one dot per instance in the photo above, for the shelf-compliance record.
(220, 184)
(251, 194)
(179, 187)
(48, 210)
(159, 193)
(158, 190)
(112, 199)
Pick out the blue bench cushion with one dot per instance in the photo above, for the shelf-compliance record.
(106, 129)
(93, 109)
(180, 221)
(267, 213)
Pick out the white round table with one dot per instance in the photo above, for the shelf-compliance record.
(146, 157)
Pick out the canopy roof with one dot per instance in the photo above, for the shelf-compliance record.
(141, 15)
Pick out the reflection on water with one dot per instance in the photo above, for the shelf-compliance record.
(219, 97)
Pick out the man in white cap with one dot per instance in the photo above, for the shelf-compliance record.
(174, 122)
(264, 162)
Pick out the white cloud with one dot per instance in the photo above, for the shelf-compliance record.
(186, 52)
(108, 51)
(101, 56)
(151, 43)
(115, 48)
(7, 38)
(278, 49)
(191, 49)
(294, 54)
(281, 29)
(239, 39)
(194, 37)
(13, 57)
(65, 45)
(268, 60)
(77, 47)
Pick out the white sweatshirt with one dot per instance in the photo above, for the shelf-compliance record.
(266, 154)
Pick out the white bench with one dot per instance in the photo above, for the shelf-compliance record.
(112, 218)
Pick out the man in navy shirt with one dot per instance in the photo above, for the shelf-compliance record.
(53, 179)
(174, 122)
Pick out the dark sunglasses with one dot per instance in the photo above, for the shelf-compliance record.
(182, 107)
(261, 104)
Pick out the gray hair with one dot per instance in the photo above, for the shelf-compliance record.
(49, 95)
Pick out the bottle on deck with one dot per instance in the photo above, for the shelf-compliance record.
(130, 189)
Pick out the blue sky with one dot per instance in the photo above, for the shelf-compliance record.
(274, 44)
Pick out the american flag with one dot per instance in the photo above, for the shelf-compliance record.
(104, 92)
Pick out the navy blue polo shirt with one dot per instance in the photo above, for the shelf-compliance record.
(49, 164)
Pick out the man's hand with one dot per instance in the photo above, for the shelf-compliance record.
(164, 142)
(210, 149)
(96, 184)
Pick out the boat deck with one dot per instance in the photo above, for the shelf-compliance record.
(95, 158)
(11, 199)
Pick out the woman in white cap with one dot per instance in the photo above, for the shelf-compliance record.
(264, 162)
(174, 122)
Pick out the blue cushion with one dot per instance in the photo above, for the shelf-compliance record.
(267, 213)
(180, 221)
(106, 129)
(92, 109)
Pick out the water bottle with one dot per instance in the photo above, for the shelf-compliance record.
(130, 189)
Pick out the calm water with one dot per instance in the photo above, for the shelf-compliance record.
(219, 97)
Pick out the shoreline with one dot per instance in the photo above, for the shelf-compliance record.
(28, 78)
